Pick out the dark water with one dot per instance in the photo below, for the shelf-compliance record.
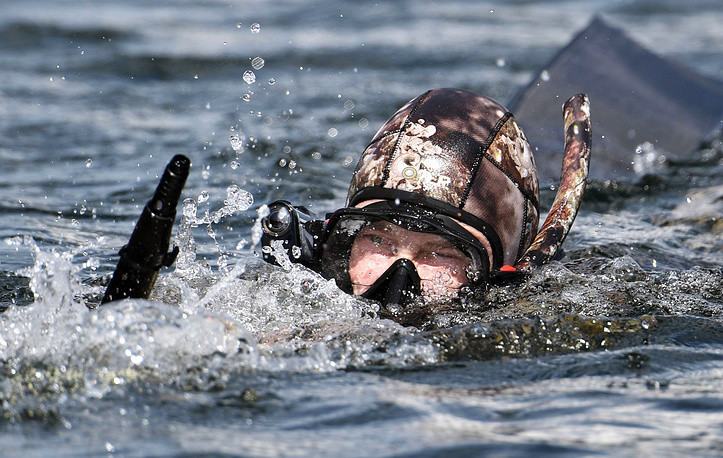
(617, 349)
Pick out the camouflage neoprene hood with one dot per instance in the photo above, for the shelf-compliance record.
(462, 155)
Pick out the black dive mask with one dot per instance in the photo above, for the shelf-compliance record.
(344, 225)
(325, 246)
(399, 284)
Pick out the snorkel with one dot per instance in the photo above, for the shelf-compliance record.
(573, 181)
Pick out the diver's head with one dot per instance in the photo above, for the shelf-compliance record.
(448, 183)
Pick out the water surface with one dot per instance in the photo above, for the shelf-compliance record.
(617, 349)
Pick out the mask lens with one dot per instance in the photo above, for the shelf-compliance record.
(441, 266)
(359, 249)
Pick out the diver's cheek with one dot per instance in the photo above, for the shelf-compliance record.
(438, 282)
(451, 274)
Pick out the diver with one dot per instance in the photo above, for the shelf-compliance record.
(443, 202)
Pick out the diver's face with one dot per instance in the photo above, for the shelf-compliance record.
(441, 266)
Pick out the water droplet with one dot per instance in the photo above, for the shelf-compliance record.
(234, 165)
(203, 197)
(292, 164)
(189, 209)
(363, 123)
(257, 63)
(195, 76)
(346, 162)
(272, 81)
(316, 155)
(249, 77)
(237, 143)
(501, 62)
(238, 199)
(282, 162)
(545, 75)
(246, 97)
(255, 27)
(296, 252)
(333, 132)
(349, 105)
(238, 25)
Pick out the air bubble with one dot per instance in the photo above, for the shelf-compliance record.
(545, 75)
(89, 163)
(501, 62)
(246, 97)
(255, 27)
(249, 77)
(272, 81)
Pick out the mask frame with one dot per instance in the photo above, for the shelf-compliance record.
(338, 240)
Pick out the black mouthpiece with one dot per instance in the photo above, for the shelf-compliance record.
(400, 284)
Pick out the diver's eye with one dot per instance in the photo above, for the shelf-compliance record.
(377, 240)
(445, 254)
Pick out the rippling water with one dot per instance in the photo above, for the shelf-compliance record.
(617, 349)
